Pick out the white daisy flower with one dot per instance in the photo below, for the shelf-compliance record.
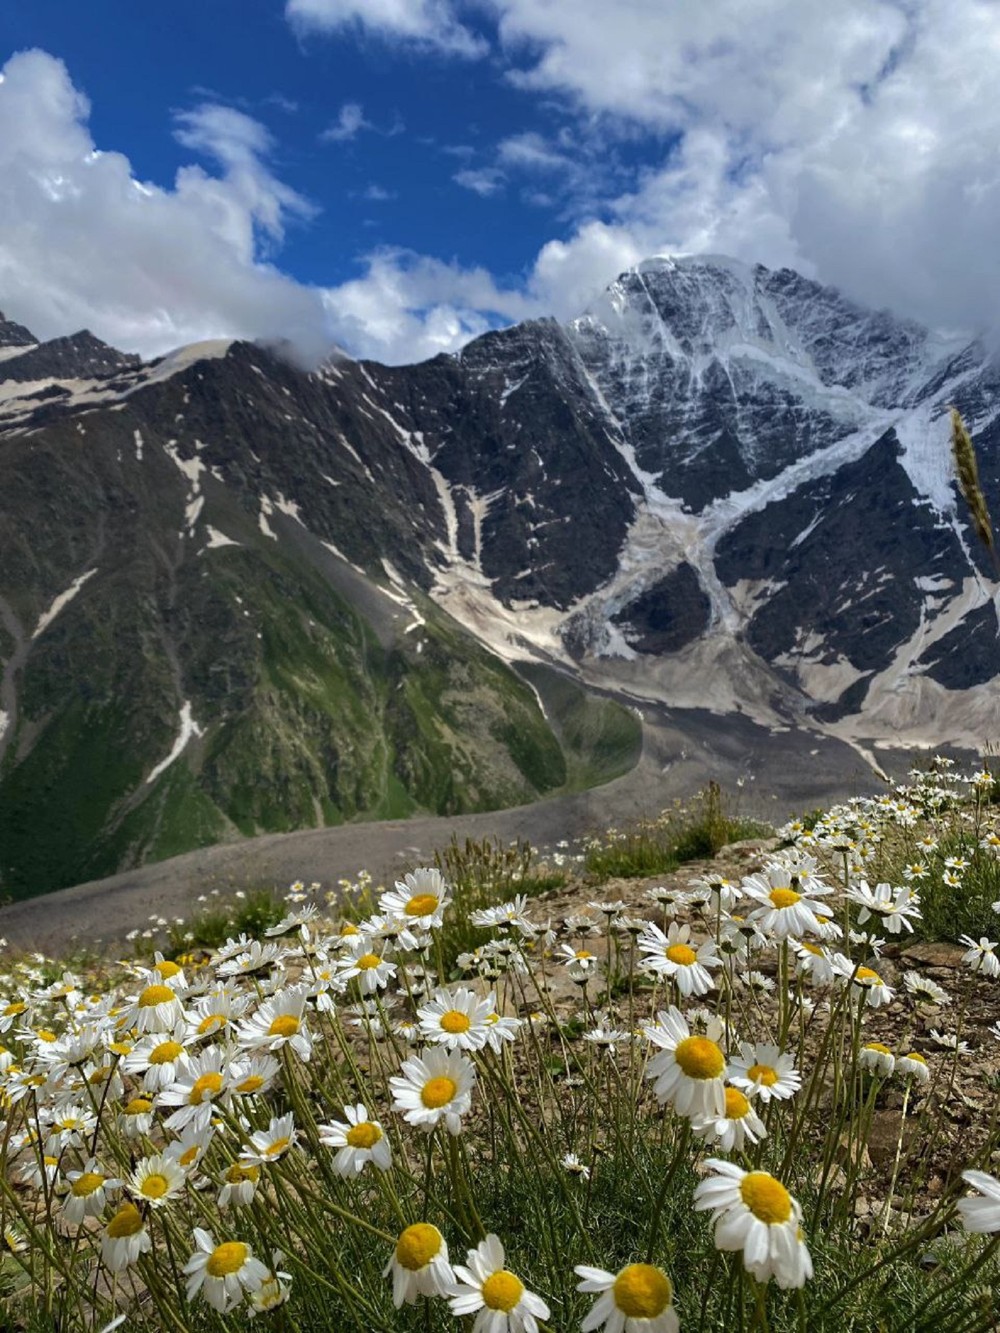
(498, 1298)
(124, 1239)
(581, 964)
(222, 1273)
(157, 1057)
(784, 910)
(732, 1130)
(359, 1142)
(923, 990)
(214, 1012)
(869, 986)
(420, 898)
(672, 956)
(419, 1265)
(156, 1180)
(753, 1212)
(157, 1008)
(254, 1075)
(893, 908)
(981, 1214)
(877, 1057)
(275, 1290)
(267, 1145)
(280, 1021)
(690, 1071)
(913, 1066)
(437, 1086)
(501, 1028)
(981, 957)
(457, 1019)
(136, 1117)
(510, 913)
(239, 1184)
(814, 962)
(572, 1165)
(88, 1192)
(763, 1069)
(243, 957)
(372, 970)
(638, 1299)
(203, 1079)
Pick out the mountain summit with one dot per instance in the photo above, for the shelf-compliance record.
(235, 596)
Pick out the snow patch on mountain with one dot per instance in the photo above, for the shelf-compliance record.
(189, 730)
(63, 600)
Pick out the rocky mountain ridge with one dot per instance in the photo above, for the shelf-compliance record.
(721, 487)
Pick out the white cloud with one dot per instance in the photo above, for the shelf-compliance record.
(429, 23)
(856, 139)
(348, 124)
(85, 243)
(484, 181)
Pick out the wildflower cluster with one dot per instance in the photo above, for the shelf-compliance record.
(359, 1122)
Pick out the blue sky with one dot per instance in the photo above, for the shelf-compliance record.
(398, 175)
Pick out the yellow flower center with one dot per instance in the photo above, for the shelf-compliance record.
(237, 1173)
(421, 904)
(700, 1058)
(251, 1084)
(641, 1291)
(417, 1246)
(278, 1146)
(120, 1047)
(126, 1222)
(914, 1056)
(438, 1092)
(685, 956)
(502, 1291)
(877, 1046)
(43, 1034)
(814, 949)
(51, 1161)
(866, 975)
(766, 1197)
(736, 1104)
(210, 1023)
(138, 1106)
(349, 928)
(582, 953)
(189, 1155)
(369, 960)
(763, 1074)
(154, 1186)
(166, 969)
(86, 1184)
(13, 1010)
(784, 897)
(207, 1085)
(154, 995)
(285, 1025)
(226, 1259)
(165, 1052)
(363, 1135)
(455, 1021)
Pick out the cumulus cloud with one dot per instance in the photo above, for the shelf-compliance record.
(429, 23)
(856, 141)
(85, 243)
